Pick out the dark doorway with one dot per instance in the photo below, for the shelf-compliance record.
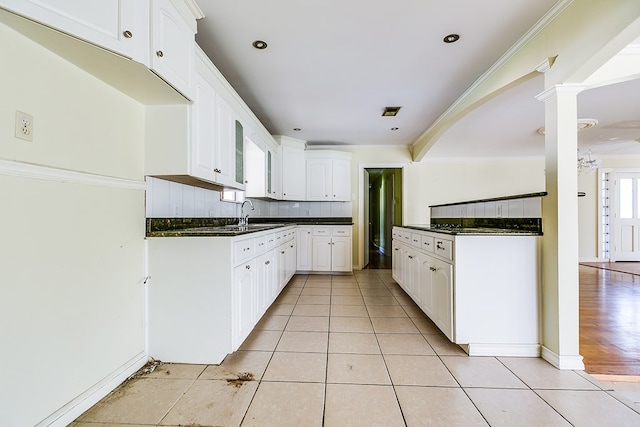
(383, 210)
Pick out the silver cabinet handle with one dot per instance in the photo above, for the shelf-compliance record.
(127, 34)
(159, 54)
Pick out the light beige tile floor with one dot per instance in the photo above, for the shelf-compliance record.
(355, 351)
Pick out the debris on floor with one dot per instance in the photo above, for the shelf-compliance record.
(240, 379)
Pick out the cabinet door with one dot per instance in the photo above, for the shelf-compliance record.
(442, 281)
(238, 155)
(204, 133)
(117, 25)
(266, 289)
(172, 46)
(274, 175)
(321, 253)
(397, 263)
(412, 275)
(291, 259)
(341, 254)
(341, 180)
(305, 249)
(293, 173)
(282, 267)
(224, 149)
(244, 301)
(426, 284)
(269, 277)
(319, 180)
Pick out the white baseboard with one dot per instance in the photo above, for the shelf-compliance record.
(572, 362)
(592, 259)
(72, 410)
(505, 350)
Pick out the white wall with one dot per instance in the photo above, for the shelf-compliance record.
(437, 181)
(71, 254)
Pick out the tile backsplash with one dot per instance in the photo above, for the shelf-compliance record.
(166, 199)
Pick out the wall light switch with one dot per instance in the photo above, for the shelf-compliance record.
(24, 126)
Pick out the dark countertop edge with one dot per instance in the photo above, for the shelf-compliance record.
(277, 223)
(474, 232)
(493, 199)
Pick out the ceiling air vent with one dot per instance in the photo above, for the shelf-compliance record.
(390, 111)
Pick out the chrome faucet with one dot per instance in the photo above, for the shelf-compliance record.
(243, 221)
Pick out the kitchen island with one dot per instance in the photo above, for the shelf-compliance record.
(480, 286)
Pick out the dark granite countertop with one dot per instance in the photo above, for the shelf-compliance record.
(227, 227)
(220, 231)
(474, 231)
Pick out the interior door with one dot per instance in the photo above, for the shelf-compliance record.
(625, 222)
(367, 220)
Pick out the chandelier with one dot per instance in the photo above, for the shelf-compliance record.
(587, 165)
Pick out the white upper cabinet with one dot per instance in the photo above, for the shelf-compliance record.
(273, 173)
(205, 133)
(145, 34)
(121, 26)
(328, 176)
(255, 165)
(215, 133)
(224, 147)
(172, 46)
(292, 163)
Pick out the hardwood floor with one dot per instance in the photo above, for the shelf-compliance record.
(609, 321)
(378, 260)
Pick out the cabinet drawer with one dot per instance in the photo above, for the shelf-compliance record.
(443, 248)
(260, 244)
(243, 249)
(428, 243)
(322, 231)
(342, 231)
(416, 240)
(270, 240)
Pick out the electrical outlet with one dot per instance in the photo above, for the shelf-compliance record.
(24, 126)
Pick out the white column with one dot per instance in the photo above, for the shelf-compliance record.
(560, 287)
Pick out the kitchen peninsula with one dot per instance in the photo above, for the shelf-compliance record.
(479, 284)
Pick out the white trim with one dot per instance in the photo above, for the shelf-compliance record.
(361, 167)
(553, 91)
(504, 350)
(46, 173)
(592, 259)
(72, 410)
(563, 362)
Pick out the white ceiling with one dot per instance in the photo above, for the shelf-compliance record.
(331, 67)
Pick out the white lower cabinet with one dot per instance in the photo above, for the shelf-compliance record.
(489, 310)
(305, 248)
(331, 249)
(244, 301)
(206, 294)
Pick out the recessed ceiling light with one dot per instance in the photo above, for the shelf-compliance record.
(395, 128)
(390, 111)
(451, 38)
(259, 44)
(297, 129)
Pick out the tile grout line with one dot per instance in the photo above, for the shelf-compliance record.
(269, 362)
